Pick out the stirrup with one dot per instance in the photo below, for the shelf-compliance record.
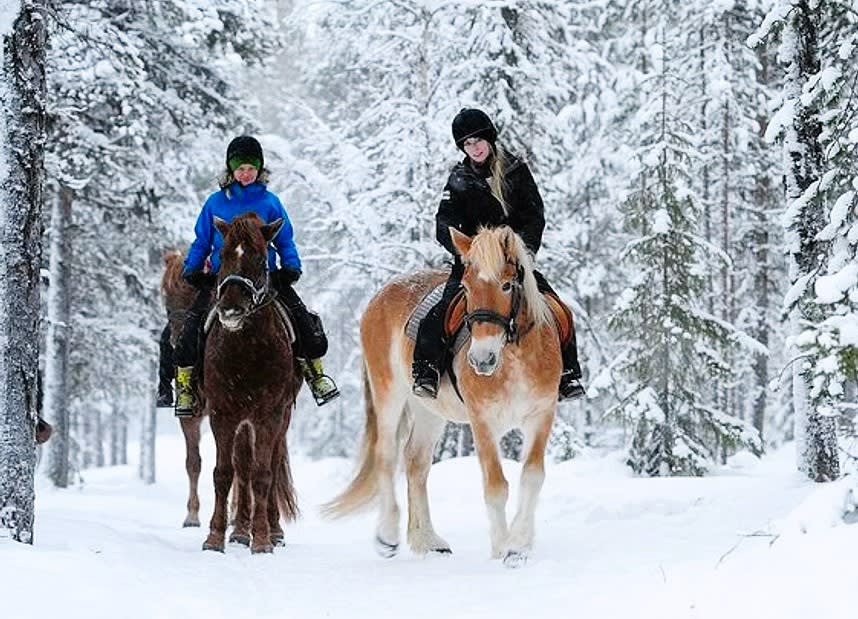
(570, 388)
(324, 389)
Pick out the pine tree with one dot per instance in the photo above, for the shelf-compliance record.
(22, 139)
(673, 348)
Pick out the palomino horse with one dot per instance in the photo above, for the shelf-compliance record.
(508, 379)
(249, 387)
(178, 297)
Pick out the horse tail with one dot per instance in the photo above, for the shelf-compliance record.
(363, 488)
(287, 501)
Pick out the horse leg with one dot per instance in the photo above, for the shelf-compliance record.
(224, 433)
(277, 455)
(536, 431)
(391, 413)
(261, 478)
(242, 456)
(418, 460)
(495, 486)
(193, 463)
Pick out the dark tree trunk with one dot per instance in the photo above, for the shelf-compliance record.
(22, 138)
(59, 336)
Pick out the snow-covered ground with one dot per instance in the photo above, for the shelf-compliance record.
(753, 540)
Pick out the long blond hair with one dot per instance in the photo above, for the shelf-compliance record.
(497, 181)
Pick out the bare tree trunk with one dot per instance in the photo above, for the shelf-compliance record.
(59, 336)
(147, 434)
(22, 139)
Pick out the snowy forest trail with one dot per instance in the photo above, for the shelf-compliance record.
(607, 545)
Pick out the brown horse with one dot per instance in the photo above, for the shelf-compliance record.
(249, 386)
(178, 297)
(507, 379)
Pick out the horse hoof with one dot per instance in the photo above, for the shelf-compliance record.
(263, 549)
(215, 547)
(442, 551)
(240, 538)
(278, 540)
(384, 549)
(190, 523)
(515, 559)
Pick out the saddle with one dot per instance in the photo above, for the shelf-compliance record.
(455, 317)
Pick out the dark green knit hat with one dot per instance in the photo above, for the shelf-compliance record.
(244, 149)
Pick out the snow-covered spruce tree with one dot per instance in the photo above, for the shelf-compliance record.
(22, 139)
(735, 179)
(143, 97)
(799, 27)
(673, 350)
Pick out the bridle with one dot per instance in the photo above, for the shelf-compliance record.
(510, 326)
(259, 294)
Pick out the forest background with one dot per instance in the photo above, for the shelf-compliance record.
(696, 159)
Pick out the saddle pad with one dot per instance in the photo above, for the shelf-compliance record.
(419, 313)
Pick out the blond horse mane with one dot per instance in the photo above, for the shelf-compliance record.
(490, 251)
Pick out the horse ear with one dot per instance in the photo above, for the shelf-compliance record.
(221, 225)
(269, 231)
(461, 242)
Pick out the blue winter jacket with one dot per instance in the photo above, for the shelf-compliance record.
(227, 204)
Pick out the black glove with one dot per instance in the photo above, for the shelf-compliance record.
(201, 280)
(285, 276)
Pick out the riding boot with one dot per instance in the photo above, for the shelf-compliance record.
(165, 371)
(322, 386)
(570, 379)
(185, 398)
(426, 377)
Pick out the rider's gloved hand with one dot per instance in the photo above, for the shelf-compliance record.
(285, 276)
(200, 279)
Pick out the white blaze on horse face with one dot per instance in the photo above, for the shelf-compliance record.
(239, 250)
(484, 354)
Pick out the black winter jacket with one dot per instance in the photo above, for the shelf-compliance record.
(468, 204)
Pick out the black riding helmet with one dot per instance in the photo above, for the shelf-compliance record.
(473, 123)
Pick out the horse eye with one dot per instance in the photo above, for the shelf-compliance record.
(507, 286)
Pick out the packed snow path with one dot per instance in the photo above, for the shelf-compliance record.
(608, 544)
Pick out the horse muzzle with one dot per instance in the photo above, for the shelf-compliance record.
(232, 319)
(484, 357)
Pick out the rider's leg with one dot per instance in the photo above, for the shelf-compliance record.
(165, 370)
(429, 344)
(187, 352)
(570, 378)
(314, 345)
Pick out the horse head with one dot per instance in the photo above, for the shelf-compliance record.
(502, 299)
(243, 285)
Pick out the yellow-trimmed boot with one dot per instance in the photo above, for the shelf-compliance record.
(185, 399)
(322, 386)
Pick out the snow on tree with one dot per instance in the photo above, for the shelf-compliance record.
(799, 27)
(144, 98)
(22, 139)
(673, 350)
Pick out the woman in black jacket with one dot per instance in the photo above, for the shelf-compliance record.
(489, 188)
